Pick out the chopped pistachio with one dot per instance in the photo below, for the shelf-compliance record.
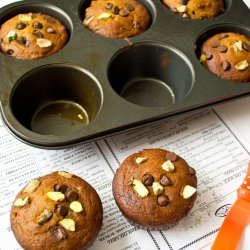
(55, 196)
(104, 16)
(25, 18)
(76, 206)
(44, 216)
(32, 186)
(157, 188)
(80, 116)
(21, 202)
(203, 58)
(68, 224)
(140, 188)
(43, 43)
(168, 166)
(11, 35)
(242, 65)
(237, 46)
(65, 174)
(188, 191)
(182, 8)
(139, 160)
(88, 20)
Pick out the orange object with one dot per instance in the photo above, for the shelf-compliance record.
(237, 219)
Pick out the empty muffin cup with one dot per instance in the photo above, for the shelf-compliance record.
(151, 74)
(56, 99)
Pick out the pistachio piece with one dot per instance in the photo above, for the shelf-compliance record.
(242, 65)
(182, 8)
(12, 35)
(21, 202)
(76, 206)
(24, 18)
(237, 46)
(88, 20)
(68, 224)
(65, 174)
(55, 196)
(188, 191)
(32, 186)
(139, 160)
(157, 188)
(43, 43)
(140, 188)
(104, 16)
(168, 166)
(203, 58)
(44, 216)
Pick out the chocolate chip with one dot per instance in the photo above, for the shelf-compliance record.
(20, 26)
(215, 43)
(37, 25)
(60, 188)
(10, 52)
(163, 200)
(51, 30)
(222, 36)
(62, 209)
(171, 156)
(147, 180)
(123, 13)
(246, 47)
(49, 19)
(130, 7)
(209, 55)
(71, 195)
(184, 2)
(222, 48)
(165, 181)
(116, 10)
(192, 171)
(109, 6)
(37, 33)
(58, 234)
(225, 65)
(21, 40)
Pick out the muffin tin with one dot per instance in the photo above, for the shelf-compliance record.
(103, 85)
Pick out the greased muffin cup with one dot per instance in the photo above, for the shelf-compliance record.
(97, 84)
(56, 211)
(155, 188)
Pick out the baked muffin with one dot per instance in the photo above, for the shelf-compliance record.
(227, 55)
(116, 18)
(31, 36)
(56, 211)
(196, 9)
(155, 188)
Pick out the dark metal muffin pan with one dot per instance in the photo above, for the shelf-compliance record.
(112, 84)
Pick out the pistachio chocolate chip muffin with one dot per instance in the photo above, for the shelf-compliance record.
(155, 188)
(227, 55)
(116, 18)
(56, 211)
(196, 9)
(31, 36)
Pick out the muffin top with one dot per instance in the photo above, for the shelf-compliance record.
(196, 9)
(116, 18)
(56, 211)
(227, 55)
(155, 188)
(30, 36)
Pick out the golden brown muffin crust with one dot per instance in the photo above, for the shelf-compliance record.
(116, 18)
(147, 211)
(50, 235)
(19, 36)
(227, 55)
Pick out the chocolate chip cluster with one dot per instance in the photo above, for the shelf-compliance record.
(159, 186)
(120, 11)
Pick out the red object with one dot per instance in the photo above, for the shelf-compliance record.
(237, 219)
